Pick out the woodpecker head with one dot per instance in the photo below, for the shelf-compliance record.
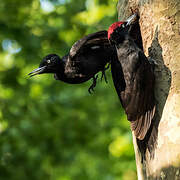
(49, 64)
(121, 27)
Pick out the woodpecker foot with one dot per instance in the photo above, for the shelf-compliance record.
(152, 61)
(91, 88)
(104, 74)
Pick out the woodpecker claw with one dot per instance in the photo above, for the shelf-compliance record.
(104, 74)
(91, 88)
(152, 61)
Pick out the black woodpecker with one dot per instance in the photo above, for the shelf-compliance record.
(133, 78)
(86, 58)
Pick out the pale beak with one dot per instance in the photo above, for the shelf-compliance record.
(131, 19)
(39, 70)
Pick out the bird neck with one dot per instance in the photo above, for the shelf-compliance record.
(127, 47)
(128, 41)
(60, 73)
(121, 37)
(60, 68)
(68, 74)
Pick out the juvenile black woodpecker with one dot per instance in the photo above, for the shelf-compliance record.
(86, 58)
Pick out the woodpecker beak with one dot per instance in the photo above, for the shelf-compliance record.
(131, 19)
(39, 70)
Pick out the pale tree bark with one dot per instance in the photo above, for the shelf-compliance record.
(160, 30)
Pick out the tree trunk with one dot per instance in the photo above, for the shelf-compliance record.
(160, 30)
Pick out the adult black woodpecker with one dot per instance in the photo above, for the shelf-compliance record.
(86, 58)
(133, 78)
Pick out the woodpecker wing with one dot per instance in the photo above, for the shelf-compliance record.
(134, 82)
(141, 105)
(91, 41)
(89, 55)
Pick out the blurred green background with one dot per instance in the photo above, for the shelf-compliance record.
(50, 130)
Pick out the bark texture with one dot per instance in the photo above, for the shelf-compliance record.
(160, 30)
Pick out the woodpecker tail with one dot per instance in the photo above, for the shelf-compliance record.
(142, 124)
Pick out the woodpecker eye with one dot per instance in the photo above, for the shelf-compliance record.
(48, 61)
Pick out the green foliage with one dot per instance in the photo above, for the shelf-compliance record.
(48, 129)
